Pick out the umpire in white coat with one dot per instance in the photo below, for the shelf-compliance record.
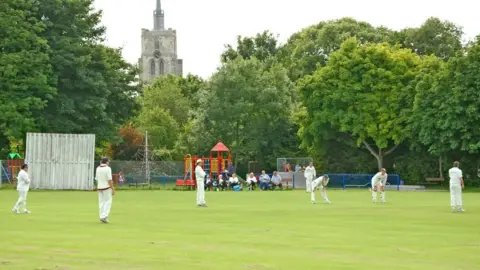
(200, 178)
(23, 186)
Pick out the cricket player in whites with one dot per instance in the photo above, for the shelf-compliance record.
(200, 178)
(23, 186)
(320, 183)
(379, 180)
(105, 189)
(309, 174)
(456, 186)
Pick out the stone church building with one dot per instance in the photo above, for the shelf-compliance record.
(159, 49)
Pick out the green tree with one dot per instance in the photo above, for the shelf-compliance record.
(364, 91)
(165, 92)
(440, 38)
(248, 107)
(262, 46)
(165, 110)
(190, 86)
(446, 116)
(25, 71)
(310, 48)
(433, 87)
(96, 86)
(161, 126)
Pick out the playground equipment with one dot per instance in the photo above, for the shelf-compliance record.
(220, 163)
(212, 165)
(14, 164)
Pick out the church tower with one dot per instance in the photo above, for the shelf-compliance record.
(159, 49)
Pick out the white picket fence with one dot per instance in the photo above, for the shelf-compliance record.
(60, 161)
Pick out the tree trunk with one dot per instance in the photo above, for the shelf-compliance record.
(380, 159)
(380, 154)
(440, 161)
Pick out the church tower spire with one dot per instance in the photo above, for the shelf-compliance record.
(158, 17)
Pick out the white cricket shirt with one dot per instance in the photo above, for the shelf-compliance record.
(199, 173)
(319, 181)
(23, 181)
(103, 175)
(310, 172)
(455, 174)
(380, 178)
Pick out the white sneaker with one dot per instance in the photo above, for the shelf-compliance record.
(461, 210)
(328, 202)
(104, 220)
(314, 202)
(15, 211)
(27, 212)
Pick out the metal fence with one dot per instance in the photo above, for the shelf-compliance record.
(292, 164)
(7, 174)
(161, 172)
(167, 172)
(342, 181)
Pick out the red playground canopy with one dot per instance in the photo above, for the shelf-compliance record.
(220, 147)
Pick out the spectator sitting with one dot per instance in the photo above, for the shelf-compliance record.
(276, 180)
(215, 183)
(251, 181)
(264, 181)
(233, 181)
(221, 182)
(208, 182)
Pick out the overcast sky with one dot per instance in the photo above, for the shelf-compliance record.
(204, 26)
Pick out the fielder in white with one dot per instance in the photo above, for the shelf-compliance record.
(456, 186)
(105, 189)
(320, 183)
(379, 180)
(23, 186)
(309, 174)
(200, 178)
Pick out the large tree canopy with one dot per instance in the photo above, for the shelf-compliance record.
(164, 110)
(262, 46)
(440, 38)
(310, 48)
(446, 113)
(25, 71)
(247, 106)
(364, 91)
(96, 86)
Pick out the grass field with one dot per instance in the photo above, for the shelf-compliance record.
(240, 230)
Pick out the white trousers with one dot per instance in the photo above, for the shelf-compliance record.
(105, 202)
(322, 191)
(456, 196)
(377, 186)
(22, 201)
(308, 184)
(200, 192)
